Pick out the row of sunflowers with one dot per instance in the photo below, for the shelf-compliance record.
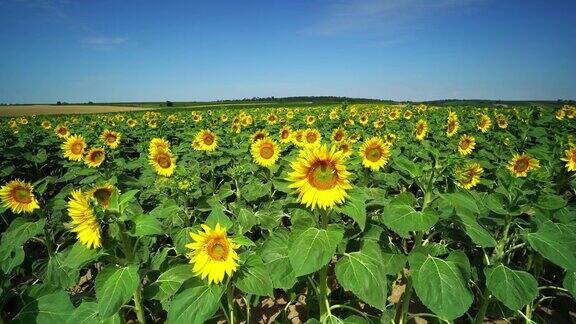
(323, 213)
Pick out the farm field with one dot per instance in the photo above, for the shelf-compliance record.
(326, 213)
(29, 110)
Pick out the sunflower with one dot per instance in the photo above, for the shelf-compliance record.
(570, 158)
(46, 124)
(84, 222)
(271, 118)
(484, 123)
(236, 128)
(452, 125)
(363, 119)
(102, 194)
(421, 129)
(163, 162)
(466, 145)
(374, 153)
(259, 134)
(378, 123)
(265, 152)
(131, 122)
(213, 254)
(111, 138)
(298, 137)
(408, 114)
(469, 176)
(290, 114)
(394, 114)
(95, 157)
(17, 195)
(206, 140)
(61, 131)
(158, 144)
(345, 147)
(333, 114)
(338, 135)
(559, 114)
(310, 120)
(74, 147)
(502, 121)
(520, 165)
(320, 177)
(390, 138)
(152, 123)
(312, 137)
(285, 134)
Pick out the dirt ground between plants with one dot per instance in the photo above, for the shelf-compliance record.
(27, 110)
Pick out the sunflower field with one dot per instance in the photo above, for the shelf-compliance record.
(363, 213)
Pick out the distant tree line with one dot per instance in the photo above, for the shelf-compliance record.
(314, 99)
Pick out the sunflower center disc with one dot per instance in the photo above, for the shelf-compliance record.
(97, 156)
(22, 195)
(77, 148)
(218, 250)
(374, 154)
(208, 139)
(465, 144)
(323, 176)
(522, 165)
(163, 161)
(266, 152)
(311, 137)
(103, 196)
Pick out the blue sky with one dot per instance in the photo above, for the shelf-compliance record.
(106, 51)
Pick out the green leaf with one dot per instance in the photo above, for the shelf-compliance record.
(311, 249)
(475, 231)
(51, 308)
(513, 288)
(255, 190)
(195, 305)
(570, 283)
(79, 255)
(274, 253)
(114, 287)
(147, 225)
(440, 286)
(551, 202)
(404, 164)
(87, 313)
(217, 216)
(246, 219)
(404, 218)
(494, 202)
(253, 277)
(364, 274)
(393, 263)
(59, 274)
(355, 207)
(170, 281)
(462, 201)
(556, 242)
(18, 232)
(462, 262)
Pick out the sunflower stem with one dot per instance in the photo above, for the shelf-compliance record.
(323, 302)
(138, 306)
(230, 298)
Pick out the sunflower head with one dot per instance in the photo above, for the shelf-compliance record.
(61, 131)
(259, 134)
(111, 138)
(466, 145)
(520, 165)
(338, 135)
(310, 120)
(84, 222)
(102, 194)
(265, 152)
(570, 158)
(206, 140)
(17, 195)
(95, 157)
(469, 176)
(320, 177)
(502, 121)
(312, 137)
(408, 114)
(374, 153)
(345, 147)
(131, 122)
(285, 135)
(158, 144)
(452, 125)
(163, 162)
(212, 254)
(74, 147)
(421, 129)
(484, 123)
(46, 124)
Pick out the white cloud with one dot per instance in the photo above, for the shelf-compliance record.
(104, 43)
(384, 17)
